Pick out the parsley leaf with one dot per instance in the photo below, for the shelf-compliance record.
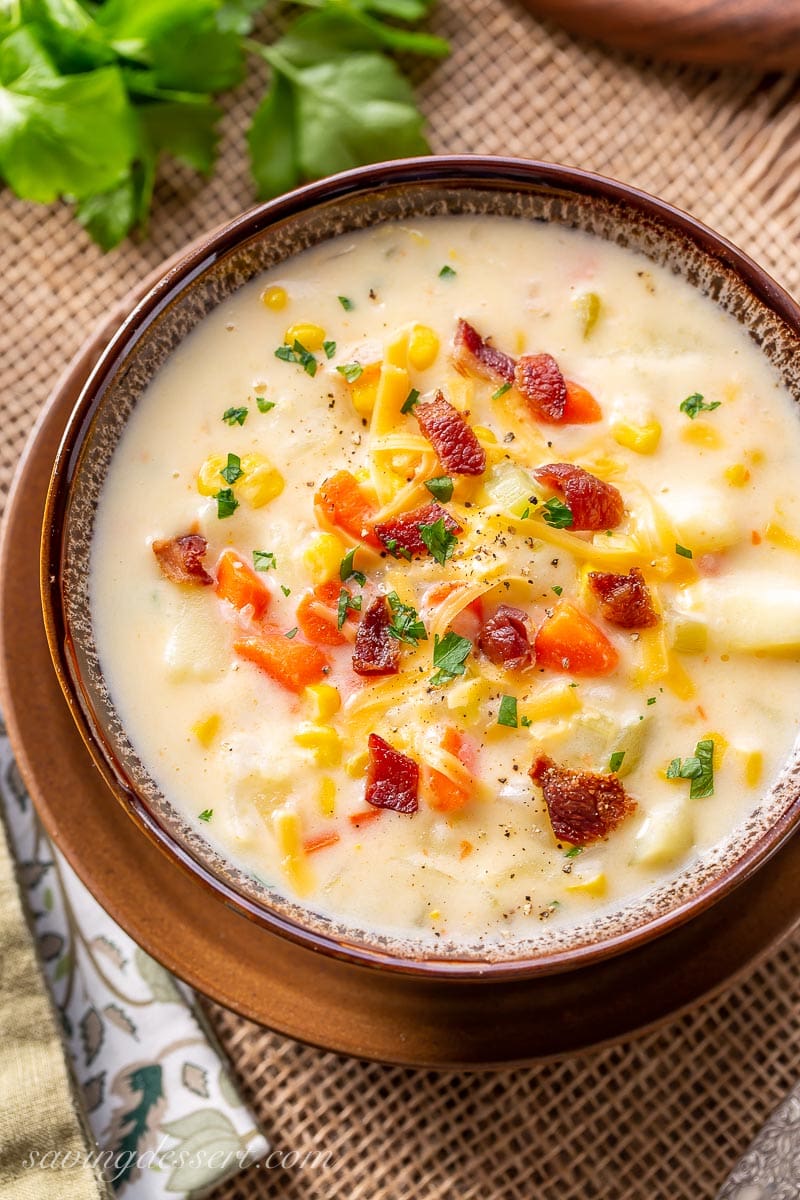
(264, 406)
(291, 634)
(346, 303)
(409, 402)
(287, 591)
(525, 722)
(298, 354)
(557, 588)
(447, 273)
(573, 852)
(234, 416)
(233, 470)
(329, 348)
(616, 760)
(557, 514)
(695, 404)
(441, 487)
(405, 625)
(351, 371)
(507, 713)
(450, 653)
(348, 571)
(227, 503)
(682, 551)
(699, 768)
(440, 542)
(264, 560)
(346, 601)
(206, 814)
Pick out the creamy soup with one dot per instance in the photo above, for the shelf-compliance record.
(447, 579)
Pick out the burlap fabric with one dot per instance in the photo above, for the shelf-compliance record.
(663, 1118)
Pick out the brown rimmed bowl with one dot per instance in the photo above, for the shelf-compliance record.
(211, 271)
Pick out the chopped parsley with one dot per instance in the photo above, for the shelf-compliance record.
(206, 814)
(699, 768)
(573, 852)
(557, 514)
(440, 487)
(291, 634)
(300, 355)
(346, 303)
(526, 512)
(557, 589)
(695, 404)
(525, 722)
(227, 503)
(406, 625)
(447, 273)
(439, 540)
(507, 712)
(409, 402)
(346, 601)
(329, 348)
(651, 699)
(286, 591)
(450, 653)
(348, 571)
(397, 551)
(234, 416)
(616, 760)
(351, 371)
(264, 406)
(233, 470)
(684, 553)
(264, 560)
(501, 391)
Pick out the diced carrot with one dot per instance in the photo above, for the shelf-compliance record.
(580, 408)
(444, 794)
(320, 842)
(342, 502)
(328, 592)
(238, 583)
(465, 849)
(569, 641)
(293, 664)
(317, 622)
(755, 537)
(363, 818)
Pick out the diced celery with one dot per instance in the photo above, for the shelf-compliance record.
(510, 488)
(588, 306)
(689, 635)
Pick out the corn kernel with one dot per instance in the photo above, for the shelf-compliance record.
(310, 336)
(209, 479)
(396, 353)
(323, 741)
(701, 433)
(484, 435)
(737, 475)
(327, 796)
(642, 439)
(323, 699)
(435, 914)
(260, 483)
(781, 537)
(286, 827)
(207, 728)
(274, 298)
(520, 341)
(423, 347)
(593, 885)
(323, 557)
(356, 765)
(721, 744)
(364, 390)
(753, 768)
(755, 457)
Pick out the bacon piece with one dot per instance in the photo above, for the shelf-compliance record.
(583, 807)
(479, 356)
(504, 638)
(458, 448)
(594, 504)
(181, 559)
(392, 778)
(376, 652)
(624, 599)
(404, 529)
(538, 378)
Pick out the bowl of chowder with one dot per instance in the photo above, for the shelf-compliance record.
(422, 564)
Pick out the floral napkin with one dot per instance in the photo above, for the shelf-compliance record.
(160, 1100)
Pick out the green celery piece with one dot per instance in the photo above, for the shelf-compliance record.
(336, 32)
(60, 135)
(272, 141)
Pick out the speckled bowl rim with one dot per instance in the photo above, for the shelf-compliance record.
(493, 174)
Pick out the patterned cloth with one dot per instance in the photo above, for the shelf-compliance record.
(160, 1100)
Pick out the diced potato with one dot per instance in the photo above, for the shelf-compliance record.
(666, 834)
(194, 649)
(631, 741)
(286, 827)
(704, 520)
(556, 700)
(779, 536)
(323, 556)
(589, 879)
(466, 697)
(748, 613)
(689, 636)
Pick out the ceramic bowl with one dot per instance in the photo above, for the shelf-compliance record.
(208, 273)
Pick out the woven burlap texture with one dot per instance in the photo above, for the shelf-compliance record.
(663, 1118)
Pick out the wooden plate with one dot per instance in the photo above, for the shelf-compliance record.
(356, 1010)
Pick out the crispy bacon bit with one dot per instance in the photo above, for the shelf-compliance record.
(593, 504)
(181, 558)
(401, 533)
(458, 448)
(376, 652)
(504, 638)
(479, 356)
(583, 807)
(625, 599)
(538, 378)
(392, 778)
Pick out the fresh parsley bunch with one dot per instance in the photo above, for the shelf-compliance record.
(92, 94)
